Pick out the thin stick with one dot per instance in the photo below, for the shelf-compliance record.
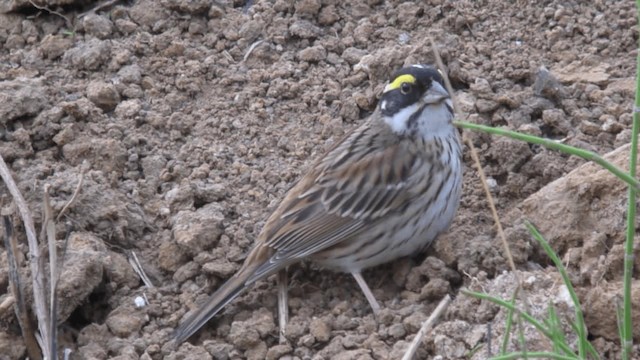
(44, 8)
(17, 289)
(7, 304)
(426, 328)
(98, 7)
(37, 274)
(251, 48)
(49, 233)
(137, 267)
(71, 201)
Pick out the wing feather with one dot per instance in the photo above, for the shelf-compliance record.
(362, 179)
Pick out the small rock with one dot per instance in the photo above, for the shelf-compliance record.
(360, 10)
(216, 11)
(107, 154)
(193, 7)
(206, 192)
(200, 230)
(313, 53)
(278, 351)
(328, 15)
(20, 98)
(170, 256)
(243, 336)
(222, 269)
(307, 8)
(413, 322)
(610, 124)
(92, 351)
(190, 352)
(481, 86)
(304, 29)
(119, 271)
(131, 74)
(603, 299)
(344, 322)
(557, 119)
(186, 272)
(104, 95)
(577, 73)
(97, 25)
(219, 350)
(89, 55)
(296, 327)
(125, 320)
(486, 106)
(257, 352)
(12, 347)
(251, 30)
(589, 127)
(64, 136)
(54, 46)
(126, 26)
(128, 109)
(397, 331)
(353, 55)
(82, 273)
(359, 354)
(409, 12)
(435, 289)
(320, 330)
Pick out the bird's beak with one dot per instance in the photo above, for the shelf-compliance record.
(435, 94)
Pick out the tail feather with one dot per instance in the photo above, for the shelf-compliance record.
(224, 295)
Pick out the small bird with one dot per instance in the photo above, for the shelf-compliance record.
(385, 191)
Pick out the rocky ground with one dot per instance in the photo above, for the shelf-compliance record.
(193, 118)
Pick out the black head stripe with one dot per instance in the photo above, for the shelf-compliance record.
(423, 73)
(395, 101)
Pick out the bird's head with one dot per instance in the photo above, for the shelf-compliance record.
(416, 101)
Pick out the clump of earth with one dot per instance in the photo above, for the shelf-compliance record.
(191, 119)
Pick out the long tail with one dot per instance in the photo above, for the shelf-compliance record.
(224, 295)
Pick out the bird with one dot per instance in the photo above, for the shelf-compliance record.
(385, 191)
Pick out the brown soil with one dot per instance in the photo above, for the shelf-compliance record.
(195, 117)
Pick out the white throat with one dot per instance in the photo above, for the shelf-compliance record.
(434, 121)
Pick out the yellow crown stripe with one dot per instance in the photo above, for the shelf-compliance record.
(397, 82)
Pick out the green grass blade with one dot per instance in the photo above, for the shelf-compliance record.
(555, 328)
(580, 326)
(551, 144)
(627, 330)
(534, 355)
(509, 324)
(527, 317)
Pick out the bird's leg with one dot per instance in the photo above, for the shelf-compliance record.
(367, 292)
(283, 304)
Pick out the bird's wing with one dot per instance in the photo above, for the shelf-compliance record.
(359, 181)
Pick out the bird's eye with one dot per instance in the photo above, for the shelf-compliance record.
(405, 88)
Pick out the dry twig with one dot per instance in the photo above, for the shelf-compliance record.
(17, 289)
(37, 278)
(426, 327)
(137, 267)
(44, 8)
(83, 170)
